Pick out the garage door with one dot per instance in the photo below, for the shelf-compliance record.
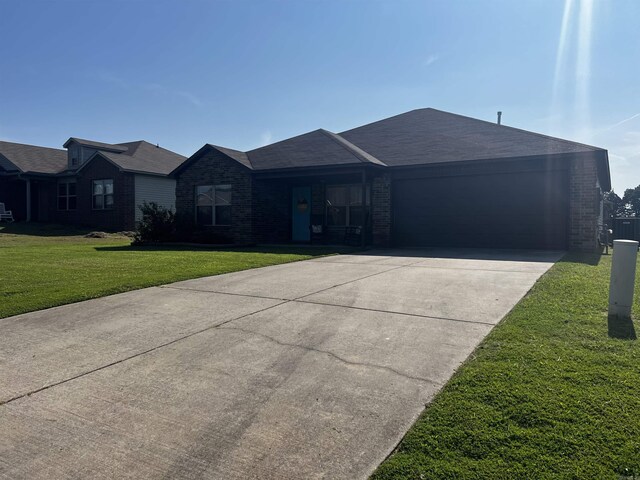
(523, 210)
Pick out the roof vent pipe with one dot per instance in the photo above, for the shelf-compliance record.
(499, 117)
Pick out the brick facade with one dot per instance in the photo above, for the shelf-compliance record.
(381, 210)
(261, 210)
(215, 168)
(120, 217)
(584, 204)
(272, 211)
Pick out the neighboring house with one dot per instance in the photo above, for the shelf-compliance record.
(90, 183)
(425, 178)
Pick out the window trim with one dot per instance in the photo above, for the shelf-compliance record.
(213, 204)
(103, 194)
(348, 205)
(66, 196)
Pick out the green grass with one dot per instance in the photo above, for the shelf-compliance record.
(45, 266)
(548, 394)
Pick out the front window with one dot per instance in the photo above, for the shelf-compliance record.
(103, 194)
(67, 197)
(213, 205)
(344, 205)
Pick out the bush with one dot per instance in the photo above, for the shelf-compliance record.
(158, 224)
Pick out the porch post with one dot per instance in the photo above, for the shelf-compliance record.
(28, 200)
(364, 206)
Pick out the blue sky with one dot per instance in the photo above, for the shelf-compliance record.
(242, 74)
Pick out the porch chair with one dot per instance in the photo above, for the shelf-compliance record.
(318, 230)
(5, 215)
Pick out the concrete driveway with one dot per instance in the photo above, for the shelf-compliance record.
(313, 369)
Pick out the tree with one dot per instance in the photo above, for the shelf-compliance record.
(613, 204)
(631, 201)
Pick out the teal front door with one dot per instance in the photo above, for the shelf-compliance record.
(300, 214)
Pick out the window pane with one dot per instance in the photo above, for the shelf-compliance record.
(62, 203)
(337, 216)
(355, 216)
(204, 195)
(72, 188)
(223, 194)
(97, 202)
(98, 187)
(336, 196)
(108, 187)
(62, 189)
(72, 203)
(108, 201)
(355, 195)
(223, 215)
(204, 215)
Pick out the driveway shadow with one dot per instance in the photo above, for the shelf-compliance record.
(507, 255)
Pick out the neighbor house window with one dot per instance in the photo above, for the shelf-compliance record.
(213, 204)
(344, 205)
(67, 198)
(103, 194)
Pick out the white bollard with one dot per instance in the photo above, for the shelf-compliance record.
(623, 275)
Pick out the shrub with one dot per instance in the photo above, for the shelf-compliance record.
(158, 224)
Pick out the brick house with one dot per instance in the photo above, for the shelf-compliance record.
(422, 178)
(90, 183)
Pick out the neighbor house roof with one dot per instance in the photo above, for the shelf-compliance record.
(20, 158)
(142, 157)
(110, 147)
(419, 137)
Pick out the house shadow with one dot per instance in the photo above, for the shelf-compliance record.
(621, 327)
(493, 254)
(36, 229)
(592, 259)
(507, 255)
(275, 249)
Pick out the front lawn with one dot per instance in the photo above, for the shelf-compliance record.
(547, 395)
(44, 266)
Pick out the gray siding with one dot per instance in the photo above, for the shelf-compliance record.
(154, 189)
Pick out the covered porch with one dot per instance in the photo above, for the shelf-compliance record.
(26, 196)
(317, 207)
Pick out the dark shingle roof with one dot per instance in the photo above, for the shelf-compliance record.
(143, 157)
(313, 149)
(17, 157)
(427, 136)
(237, 155)
(110, 147)
(419, 137)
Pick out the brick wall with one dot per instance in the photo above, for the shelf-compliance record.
(215, 168)
(584, 205)
(120, 217)
(381, 210)
(272, 211)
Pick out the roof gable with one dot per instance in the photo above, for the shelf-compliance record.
(312, 149)
(142, 157)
